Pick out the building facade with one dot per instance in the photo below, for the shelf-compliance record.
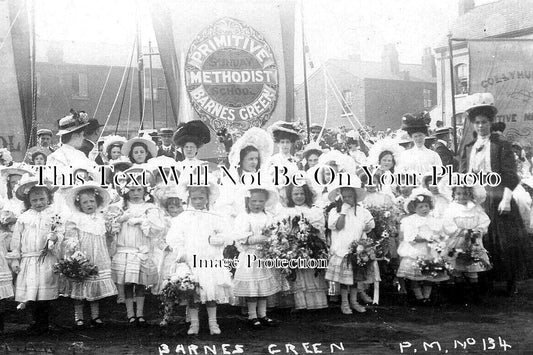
(376, 94)
(500, 19)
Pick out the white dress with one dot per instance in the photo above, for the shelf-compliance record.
(163, 256)
(356, 226)
(87, 233)
(456, 220)
(133, 261)
(428, 228)
(66, 156)
(6, 280)
(251, 280)
(36, 280)
(418, 160)
(190, 234)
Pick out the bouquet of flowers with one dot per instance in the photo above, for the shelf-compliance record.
(293, 237)
(362, 252)
(76, 267)
(180, 287)
(386, 227)
(56, 223)
(434, 267)
(473, 252)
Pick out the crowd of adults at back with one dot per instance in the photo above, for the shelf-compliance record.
(501, 215)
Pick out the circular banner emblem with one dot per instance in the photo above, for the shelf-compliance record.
(231, 76)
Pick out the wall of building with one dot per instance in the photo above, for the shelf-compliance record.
(386, 101)
(57, 94)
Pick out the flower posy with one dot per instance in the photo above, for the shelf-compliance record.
(55, 223)
(77, 267)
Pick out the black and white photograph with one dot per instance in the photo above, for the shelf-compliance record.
(205, 177)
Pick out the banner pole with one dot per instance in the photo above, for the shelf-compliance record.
(306, 91)
(452, 86)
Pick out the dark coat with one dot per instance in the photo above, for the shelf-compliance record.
(446, 155)
(174, 153)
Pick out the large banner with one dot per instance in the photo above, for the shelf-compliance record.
(505, 69)
(235, 60)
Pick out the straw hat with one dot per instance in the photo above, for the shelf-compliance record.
(75, 121)
(150, 145)
(477, 100)
(360, 192)
(16, 169)
(312, 148)
(163, 192)
(73, 193)
(112, 141)
(27, 182)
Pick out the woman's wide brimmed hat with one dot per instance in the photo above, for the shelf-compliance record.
(73, 193)
(212, 186)
(284, 130)
(384, 145)
(109, 141)
(418, 194)
(150, 145)
(257, 138)
(478, 100)
(195, 131)
(27, 182)
(312, 148)
(16, 169)
(272, 191)
(75, 121)
(355, 183)
(413, 123)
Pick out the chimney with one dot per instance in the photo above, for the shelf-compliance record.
(465, 6)
(428, 63)
(389, 59)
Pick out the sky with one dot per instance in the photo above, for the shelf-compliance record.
(334, 28)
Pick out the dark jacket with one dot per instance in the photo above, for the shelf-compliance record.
(173, 153)
(502, 161)
(446, 155)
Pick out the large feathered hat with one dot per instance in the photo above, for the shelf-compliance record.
(194, 131)
(284, 130)
(416, 123)
(73, 122)
(257, 138)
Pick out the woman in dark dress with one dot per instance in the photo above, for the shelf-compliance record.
(507, 240)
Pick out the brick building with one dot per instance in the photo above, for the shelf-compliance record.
(73, 75)
(500, 19)
(378, 93)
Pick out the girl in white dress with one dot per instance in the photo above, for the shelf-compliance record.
(35, 229)
(198, 235)
(133, 266)
(420, 236)
(348, 222)
(310, 288)
(86, 232)
(251, 281)
(466, 222)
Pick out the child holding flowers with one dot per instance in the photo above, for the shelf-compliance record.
(310, 287)
(251, 281)
(34, 250)
(198, 235)
(465, 222)
(348, 222)
(421, 242)
(86, 232)
(132, 266)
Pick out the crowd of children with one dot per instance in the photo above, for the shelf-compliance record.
(139, 236)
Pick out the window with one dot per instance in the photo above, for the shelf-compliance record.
(347, 96)
(79, 85)
(155, 85)
(427, 98)
(461, 79)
